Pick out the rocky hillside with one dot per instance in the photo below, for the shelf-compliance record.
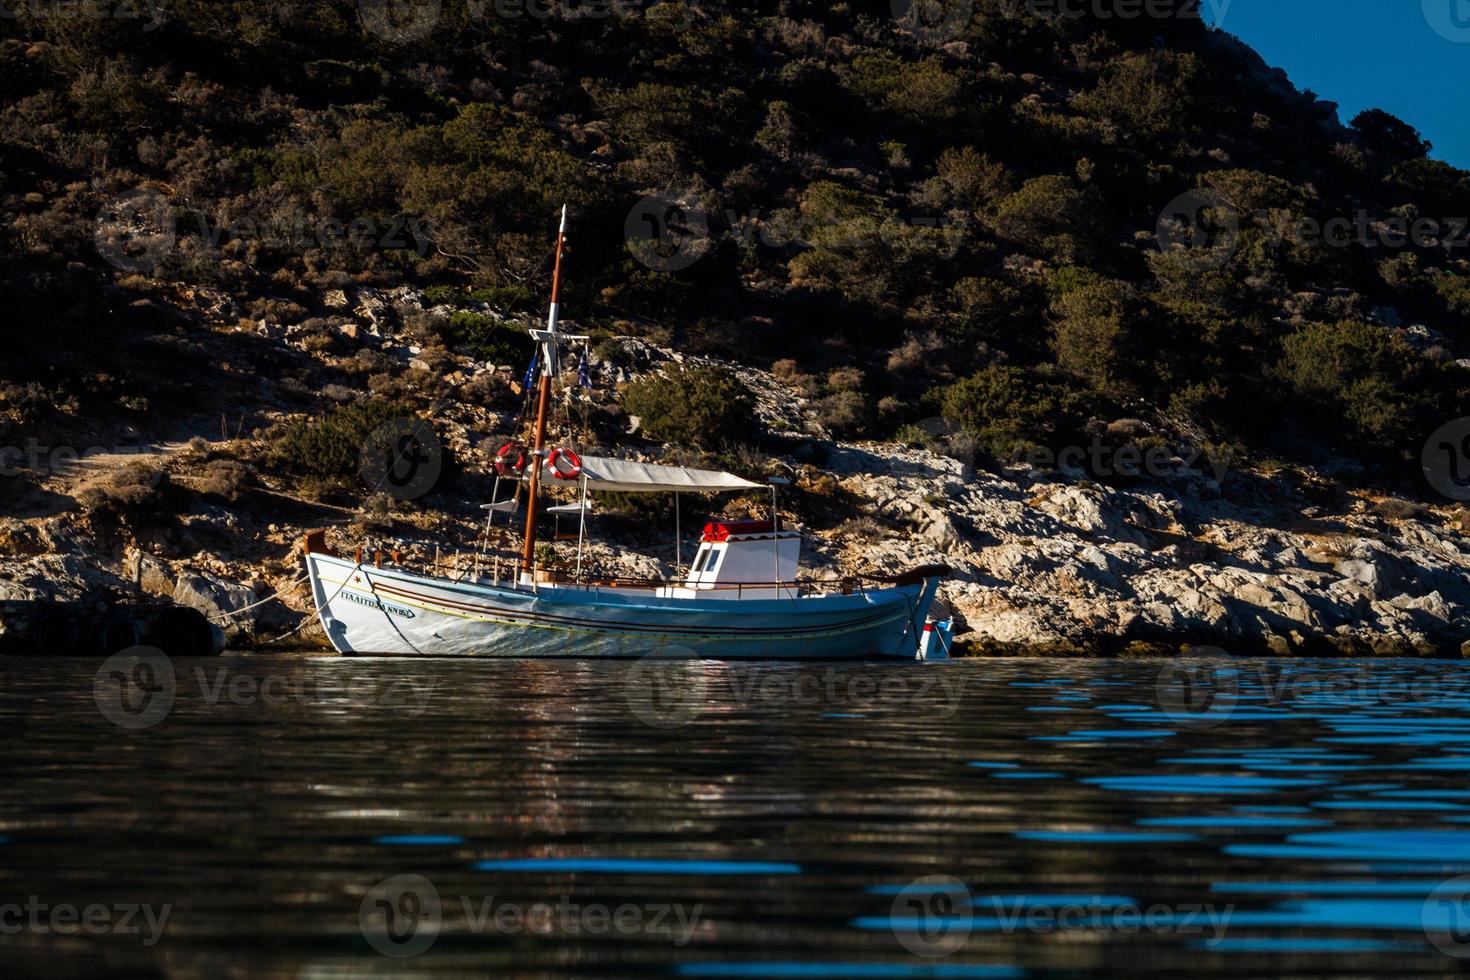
(1086, 303)
(1045, 562)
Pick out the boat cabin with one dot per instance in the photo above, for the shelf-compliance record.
(743, 560)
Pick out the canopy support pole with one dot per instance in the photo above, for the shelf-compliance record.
(581, 527)
(776, 534)
(489, 518)
(678, 538)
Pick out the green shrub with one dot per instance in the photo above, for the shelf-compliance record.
(704, 407)
(489, 339)
(1355, 373)
(330, 446)
(1006, 409)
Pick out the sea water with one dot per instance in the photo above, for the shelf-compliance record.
(315, 815)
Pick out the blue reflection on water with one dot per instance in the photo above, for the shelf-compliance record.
(1245, 821)
(1199, 783)
(1420, 887)
(419, 839)
(639, 866)
(797, 968)
(1101, 836)
(1302, 944)
(1431, 846)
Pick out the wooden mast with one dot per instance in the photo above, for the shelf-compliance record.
(543, 395)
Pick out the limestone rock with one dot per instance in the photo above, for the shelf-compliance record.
(215, 598)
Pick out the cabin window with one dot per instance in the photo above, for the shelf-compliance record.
(714, 561)
(699, 561)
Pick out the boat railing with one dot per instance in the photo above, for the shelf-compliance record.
(502, 566)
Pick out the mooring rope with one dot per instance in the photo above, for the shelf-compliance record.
(255, 605)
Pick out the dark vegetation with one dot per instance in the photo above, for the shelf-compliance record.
(702, 407)
(904, 228)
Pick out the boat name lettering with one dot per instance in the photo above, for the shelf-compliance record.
(378, 603)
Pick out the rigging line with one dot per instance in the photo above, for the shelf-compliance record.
(226, 614)
(308, 617)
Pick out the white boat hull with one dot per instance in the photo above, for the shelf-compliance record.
(385, 611)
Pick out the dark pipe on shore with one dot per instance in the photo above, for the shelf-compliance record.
(88, 629)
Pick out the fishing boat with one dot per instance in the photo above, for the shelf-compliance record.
(740, 597)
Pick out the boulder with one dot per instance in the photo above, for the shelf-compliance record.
(216, 598)
(20, 540)
(148, 573)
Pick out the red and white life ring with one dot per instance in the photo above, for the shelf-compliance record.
(510, 459)
(553, 463)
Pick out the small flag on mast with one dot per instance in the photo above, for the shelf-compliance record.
(582, 377)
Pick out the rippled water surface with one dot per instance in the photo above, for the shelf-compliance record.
(314, 815)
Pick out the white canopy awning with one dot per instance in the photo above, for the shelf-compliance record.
(625, 475)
